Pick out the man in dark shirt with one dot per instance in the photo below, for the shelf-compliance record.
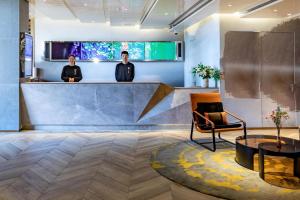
(124, 70)
(71, 72)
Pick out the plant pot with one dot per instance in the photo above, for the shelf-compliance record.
(216, 83)
(198, 81)
(206, 83)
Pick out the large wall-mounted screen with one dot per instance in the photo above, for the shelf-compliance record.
(96, 51)
(62, 50)
(111, 51)
(160, 51)
(26, 55)
(136, 50)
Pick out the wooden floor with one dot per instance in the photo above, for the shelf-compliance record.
(91, 166)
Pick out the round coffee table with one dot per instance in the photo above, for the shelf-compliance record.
(290, 150)
(247, 148)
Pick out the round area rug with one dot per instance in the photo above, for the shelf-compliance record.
(217, 173)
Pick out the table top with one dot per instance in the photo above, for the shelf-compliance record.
(253, 141)
(291, 148)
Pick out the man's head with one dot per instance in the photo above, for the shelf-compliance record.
(124, 56)
(71, 60)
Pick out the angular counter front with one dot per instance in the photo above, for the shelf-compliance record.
(105, 106)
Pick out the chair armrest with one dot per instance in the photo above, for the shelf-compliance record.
(234, 116)
(198, 114)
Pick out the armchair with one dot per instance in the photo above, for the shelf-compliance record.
(210, 117)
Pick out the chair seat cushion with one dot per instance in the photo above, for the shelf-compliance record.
(221, 126)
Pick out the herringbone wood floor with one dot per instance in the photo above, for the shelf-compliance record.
(90, 166)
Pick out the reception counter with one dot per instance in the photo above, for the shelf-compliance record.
(105, 106)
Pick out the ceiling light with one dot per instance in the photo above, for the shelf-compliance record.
(124, 9)
(260, 6)
(148, 11)
(195, 8)
(107, 22)
(93, 21)
(166, 13)
(229, 5)
(237, 14)
(275, 10)
(85, 4)
(289, 14)
(137, 26)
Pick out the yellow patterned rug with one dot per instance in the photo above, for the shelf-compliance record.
(217, 173)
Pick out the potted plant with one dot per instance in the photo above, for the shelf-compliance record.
(216, 76)
(206, 72)
(194, 72)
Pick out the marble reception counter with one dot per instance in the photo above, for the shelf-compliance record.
(105, 106)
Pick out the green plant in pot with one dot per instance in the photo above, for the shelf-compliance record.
(205, 72)
(194, 72)
(216, 75)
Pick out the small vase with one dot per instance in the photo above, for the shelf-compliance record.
(206, 81)
(278, 137)
(198, 81)
(216, 84)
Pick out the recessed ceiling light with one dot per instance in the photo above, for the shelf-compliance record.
(137, 26)
(166, 13)
(44, 0)
(275, 10)
(229, 5)
(289, 14)
(107, 22)
(124, 9)
(85, 4)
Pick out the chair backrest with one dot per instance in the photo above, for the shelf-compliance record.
(204, 98)
(206, 103)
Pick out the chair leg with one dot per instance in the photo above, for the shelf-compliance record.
(214, 139)
(224, 140)
(192, 130)
(203, 144)
(245, 130)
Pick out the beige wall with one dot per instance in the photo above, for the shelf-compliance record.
(201, 36)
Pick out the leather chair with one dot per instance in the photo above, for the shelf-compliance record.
(210, 117)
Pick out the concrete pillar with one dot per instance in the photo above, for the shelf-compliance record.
(14, 19)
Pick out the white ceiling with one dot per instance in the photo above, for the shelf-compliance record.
(131, 12)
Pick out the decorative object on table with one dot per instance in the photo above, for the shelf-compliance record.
(277, 116)
(216, 76)
(204, 71)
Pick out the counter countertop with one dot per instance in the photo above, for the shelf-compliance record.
(211, 88)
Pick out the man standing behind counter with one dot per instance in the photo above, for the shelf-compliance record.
(71, 72)
(124, 70)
